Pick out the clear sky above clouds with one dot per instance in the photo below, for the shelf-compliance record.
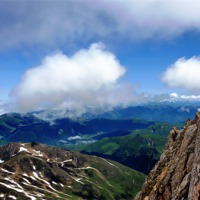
(68, 53)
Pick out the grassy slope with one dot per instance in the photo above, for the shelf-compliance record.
(158, 133)
(120, 182)
(133, 149)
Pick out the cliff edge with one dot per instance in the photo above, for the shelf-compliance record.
(177, 175)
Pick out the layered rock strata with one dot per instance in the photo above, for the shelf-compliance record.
(177, 175)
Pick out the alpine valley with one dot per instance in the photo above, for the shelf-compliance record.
(99, 100)
(78, 158)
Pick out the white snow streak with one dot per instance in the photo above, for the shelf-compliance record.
(4, 170)
(109, 163)
(23, 149)
(12, 197)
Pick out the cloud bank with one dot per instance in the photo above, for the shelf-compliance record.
(184, 73)
(192, 97)
(52, 23)
(5, 107)
(88, 78)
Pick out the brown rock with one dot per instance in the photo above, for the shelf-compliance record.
(177, 175)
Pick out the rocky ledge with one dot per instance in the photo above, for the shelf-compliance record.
(177, 175)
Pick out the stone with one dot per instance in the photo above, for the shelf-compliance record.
(176, 176)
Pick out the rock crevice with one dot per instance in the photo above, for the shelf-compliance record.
(177, 175)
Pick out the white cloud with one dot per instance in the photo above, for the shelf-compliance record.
(184, 74)
(174, 95)
(5, 107)
(77, 137)
(57, 22)
(191, 97)
(88, 78)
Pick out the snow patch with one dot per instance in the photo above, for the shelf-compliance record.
(54, 183)
(35, 174)
(4, 170)
(109, 163)
(12, 197)
(24, 174)
(76, 179)
(33, 178)
(12, 187)
(26, 180)
(79, 180)
(46, 190)
(38, 153)
(23, 149)
(63, 162)
(15, 183)
(61, 185)
(41, 174)
(1, 161)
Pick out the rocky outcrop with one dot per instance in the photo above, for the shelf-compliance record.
(177, 175)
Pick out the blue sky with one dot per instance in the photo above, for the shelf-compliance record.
(54, 53)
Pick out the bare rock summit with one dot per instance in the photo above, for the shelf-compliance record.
(177, 175)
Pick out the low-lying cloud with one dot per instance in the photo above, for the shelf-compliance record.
(5, 107)
(191, 97)
(88, 78)
(76, 137)
(184, 73)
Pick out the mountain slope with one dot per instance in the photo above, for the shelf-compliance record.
(26, 128)
(35, 171)
(131, 150)
(176, 176)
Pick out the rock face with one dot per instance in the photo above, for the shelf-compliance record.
(177, 175)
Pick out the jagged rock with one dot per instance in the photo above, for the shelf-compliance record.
(177, 175)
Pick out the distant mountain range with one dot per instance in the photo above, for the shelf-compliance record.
(127, 135)
(133, 136)
(172, 112)
(35, 171)
(26, 128)
(166, 112)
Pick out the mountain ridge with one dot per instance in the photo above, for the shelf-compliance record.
(176, 175)
(36, 171)
(26, 128)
